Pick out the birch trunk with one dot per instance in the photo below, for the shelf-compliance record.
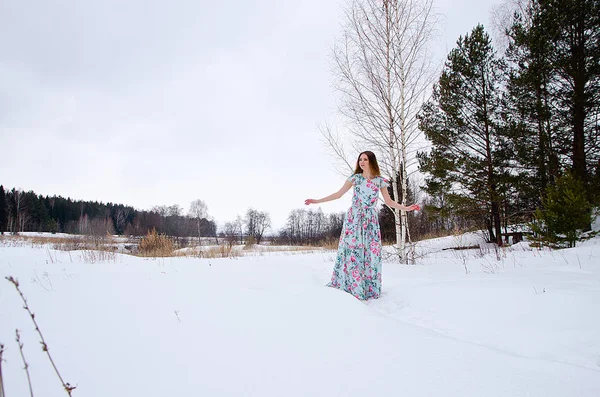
(383, 72)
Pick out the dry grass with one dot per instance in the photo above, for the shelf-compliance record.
(284, 250)
(155, 245)
(235, 251)
(445, 233)
(92, 249)
(222, 251)
(17, 240)
(94, 256)
(62, 243)
(326, 244)
(330, 245)
(104, 249)
(102, 244)
(299, 248)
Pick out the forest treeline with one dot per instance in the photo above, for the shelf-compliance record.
(30, 212)
(22, 211)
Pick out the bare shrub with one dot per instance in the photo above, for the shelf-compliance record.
(155, 245)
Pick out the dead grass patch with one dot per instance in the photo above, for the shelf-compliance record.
(62, 243)
(330, 244)
(155, 245)
(222, 251)
(104, 248)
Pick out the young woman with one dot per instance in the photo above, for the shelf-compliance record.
(357, 267)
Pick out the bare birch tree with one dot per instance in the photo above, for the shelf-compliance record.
(198, 210)
(239, 223)
(383, 71)
(18, 210)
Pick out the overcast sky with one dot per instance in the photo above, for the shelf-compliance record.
(146, 102)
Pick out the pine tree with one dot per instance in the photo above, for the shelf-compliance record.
(565, 213)
(469, 153)
(528, 109)
(573, 30)
(553, 101)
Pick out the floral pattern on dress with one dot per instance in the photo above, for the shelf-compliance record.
(357, 267)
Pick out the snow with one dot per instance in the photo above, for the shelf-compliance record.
(480, 322)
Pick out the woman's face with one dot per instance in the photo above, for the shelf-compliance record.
(363, 163)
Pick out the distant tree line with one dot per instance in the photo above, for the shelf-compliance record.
(29, 212)
(311, 227)
(247, 230)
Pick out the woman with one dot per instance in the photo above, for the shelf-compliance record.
(358, 264)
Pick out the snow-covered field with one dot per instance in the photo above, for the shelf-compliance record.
(514, 322)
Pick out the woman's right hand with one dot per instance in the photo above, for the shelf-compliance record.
(310, 201)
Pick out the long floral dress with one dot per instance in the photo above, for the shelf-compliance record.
(357, 267)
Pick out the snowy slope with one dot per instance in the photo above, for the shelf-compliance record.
(457, 324)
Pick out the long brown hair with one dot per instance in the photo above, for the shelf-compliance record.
(372, 163)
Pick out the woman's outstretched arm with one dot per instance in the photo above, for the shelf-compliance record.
(331, 197)
(388, 200)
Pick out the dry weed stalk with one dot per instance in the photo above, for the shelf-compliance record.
(94, 256)
(1, 380)
(68, 388)
(25, 365)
